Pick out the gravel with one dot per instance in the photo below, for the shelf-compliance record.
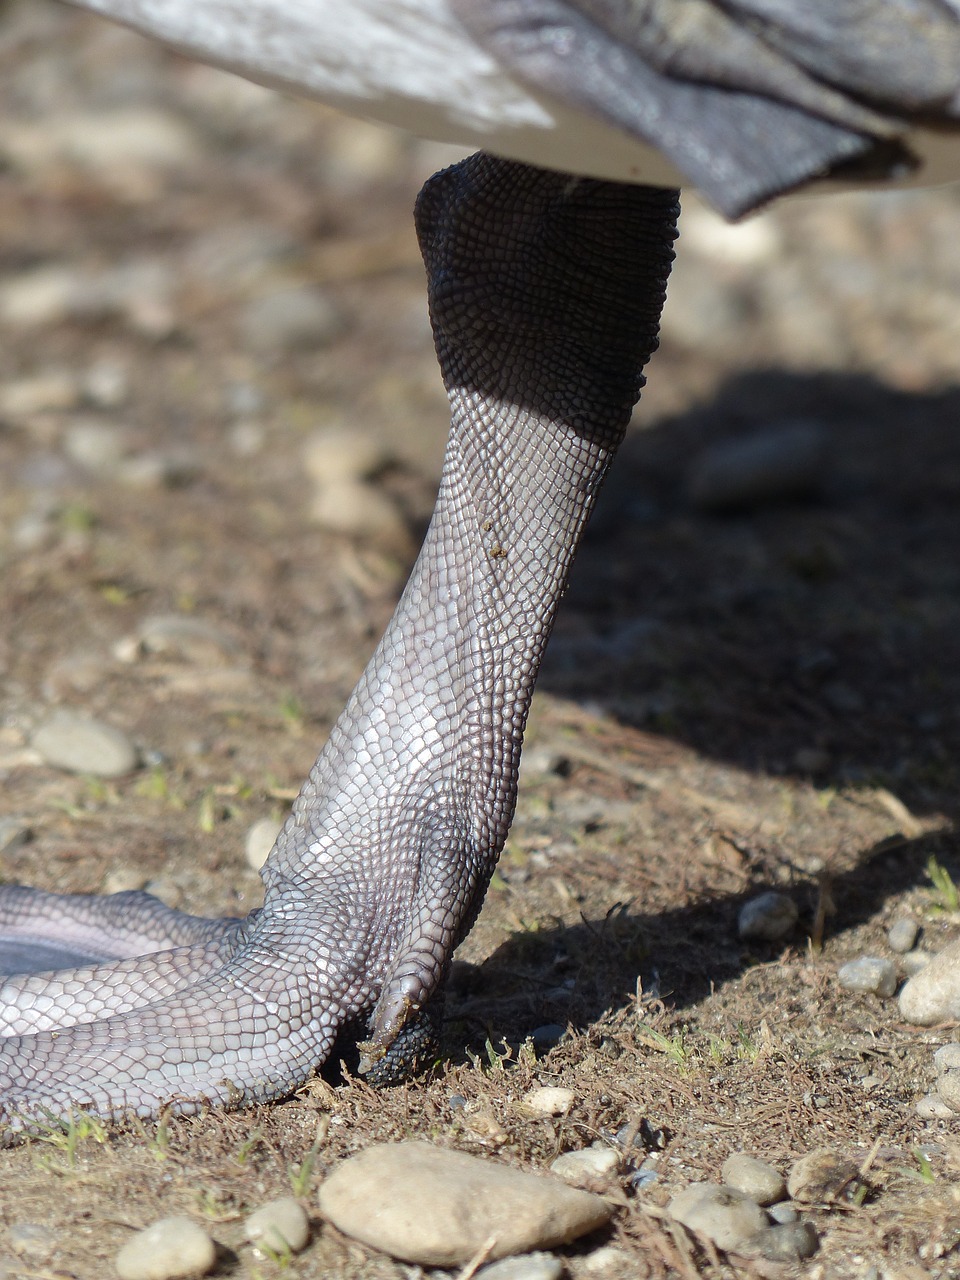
(902, 935)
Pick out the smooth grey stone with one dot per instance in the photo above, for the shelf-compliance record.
(79, 744)
(902, 935)
(721, 1214)
(871, 974)
(437, 1207)
(170, 1249)
(948, 1087)
(591, 1162)
(767, 918)
(933, 1107)
(783, 1212)
(755, 1178)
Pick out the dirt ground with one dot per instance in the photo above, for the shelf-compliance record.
(731, 703)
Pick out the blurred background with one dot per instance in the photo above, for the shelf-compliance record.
(221, 428)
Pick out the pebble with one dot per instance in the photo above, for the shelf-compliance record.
(166, 1250)
(933, 1107)
(526, 1266)
(359, 510)
(261, 838)
(591, 1162)
(933, 994)
(280, 1226)
(97, 446)
(755, 1178)
(32, 1240)
(298, 318)
(77, 743)
(914, 961)
(437, 1207)
(787, 1243)
(547, 1036)
(785, 462)
(549, 1100)
(783, 1212)
(342, 453)
(902, 935)
(189, 639)
(767, 918)
(24, 397)
(609, 1260)
(721, 1214)
(948, 1087)
(820, 1175)
(869, 973)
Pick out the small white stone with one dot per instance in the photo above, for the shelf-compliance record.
(608, 1260)
(549, 1100)
(79, 744)
(767, 918)
(755, 1178)
(280, 1226)
(902, 935)
(783, 1213)
(167, 1250)
(933, 994)
(436, 1207)
(869, 974)
(580, 1166)
(721, 1214)
(261, 837)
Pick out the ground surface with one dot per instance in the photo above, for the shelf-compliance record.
(765, 699)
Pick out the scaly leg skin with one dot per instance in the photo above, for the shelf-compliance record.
(545, 294)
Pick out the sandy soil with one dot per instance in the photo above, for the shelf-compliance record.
(765, 699)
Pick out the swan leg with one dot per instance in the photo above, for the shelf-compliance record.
(545, 294)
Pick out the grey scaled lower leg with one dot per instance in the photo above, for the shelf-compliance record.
(545, 294)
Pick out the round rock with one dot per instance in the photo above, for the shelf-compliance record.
(167, 1250)
(79, 744)
(755, 1178)
(788, 1243)
(948, 1087)
(436, 1207)
(767, 918)
(932, 1107)
(280, 1226)
(721, 1214)
(869, 974)
(947, 1057)
(933, 994)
